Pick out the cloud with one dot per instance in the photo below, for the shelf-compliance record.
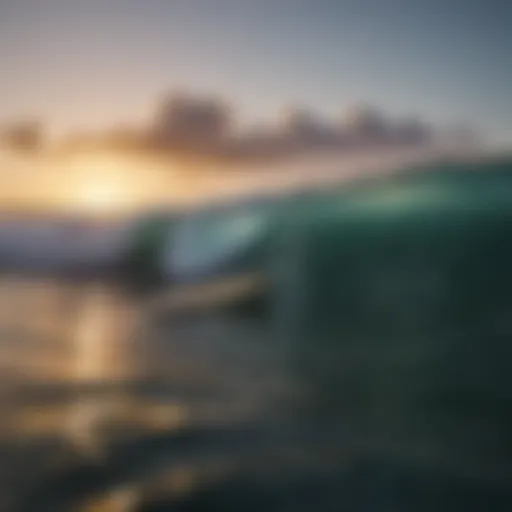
(205, 126)
(26, 136)
(189, 123)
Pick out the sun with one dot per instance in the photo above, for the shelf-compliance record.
(99, 185)
(99, 197)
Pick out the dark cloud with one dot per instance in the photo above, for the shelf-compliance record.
(187, 124)
(27, 136)
(205, 126)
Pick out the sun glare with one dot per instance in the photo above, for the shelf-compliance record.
(98, 197)
(100, 185)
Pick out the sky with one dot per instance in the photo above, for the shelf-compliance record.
(85, 64)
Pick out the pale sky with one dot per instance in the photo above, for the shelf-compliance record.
(91, 63)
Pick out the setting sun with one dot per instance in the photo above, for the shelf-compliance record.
(99, 184)
(99, 197)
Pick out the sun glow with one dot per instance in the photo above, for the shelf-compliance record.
(99, 197)
(106, 183)
(100, 185)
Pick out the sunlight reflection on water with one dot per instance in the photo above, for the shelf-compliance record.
(82, 369)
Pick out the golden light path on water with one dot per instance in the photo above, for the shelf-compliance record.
(87, 341)
(55, 334)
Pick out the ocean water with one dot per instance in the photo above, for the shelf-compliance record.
(107, 407)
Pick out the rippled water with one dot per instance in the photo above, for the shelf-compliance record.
(108, 408)
(105, 410)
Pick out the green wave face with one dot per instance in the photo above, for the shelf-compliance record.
(395, 301)
(230, 238)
